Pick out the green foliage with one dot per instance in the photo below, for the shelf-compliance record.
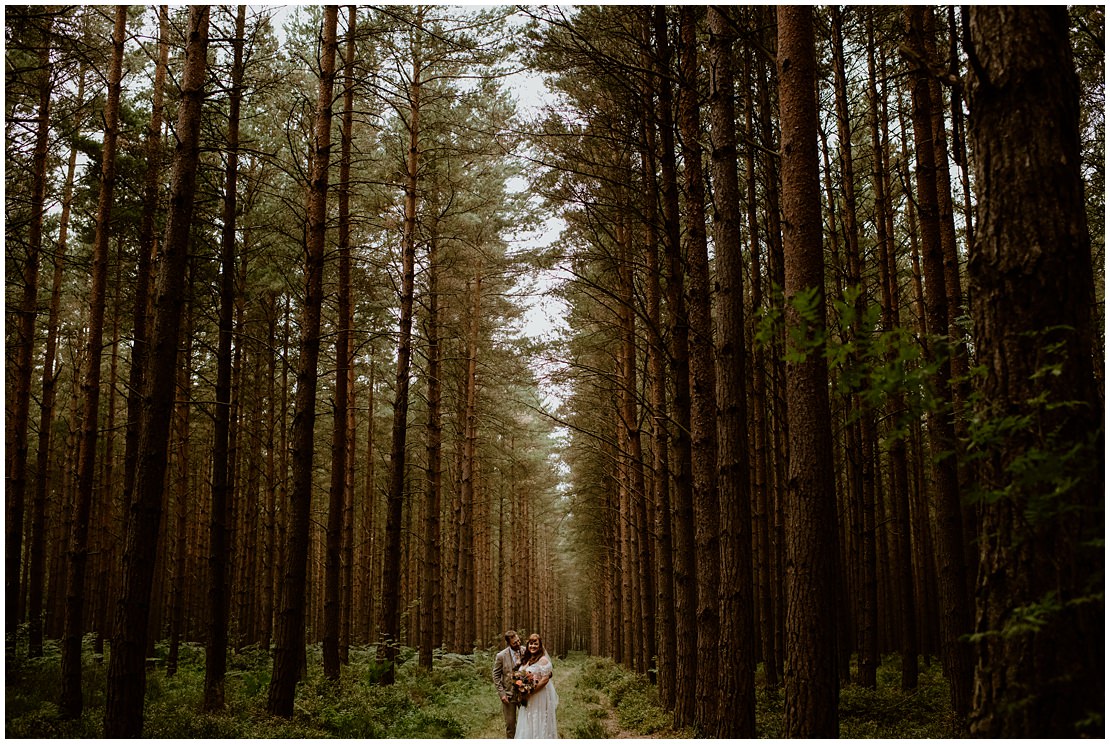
(1032, 445)
(591, 729)
(864, 360)
(455, 699)
(887, 712)
(603, 684)
(805, 336)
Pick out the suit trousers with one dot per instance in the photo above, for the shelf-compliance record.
(509, 710)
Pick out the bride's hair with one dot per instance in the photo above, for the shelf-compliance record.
(528, 657)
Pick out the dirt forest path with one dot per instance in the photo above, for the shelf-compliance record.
(584, 711)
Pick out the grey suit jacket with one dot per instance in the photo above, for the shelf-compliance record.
(503, 671)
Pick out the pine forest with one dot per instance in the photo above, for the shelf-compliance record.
(752, 356)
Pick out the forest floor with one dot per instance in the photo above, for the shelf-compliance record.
(585, 708)
(598, 699)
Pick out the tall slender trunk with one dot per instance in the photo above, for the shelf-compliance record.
(15, 485)
(123, 711)
(290, 626)
(864, 427)
(682, 503)
(960, 380)
(215, 655)
(71, 702)
(899, 487)
(37, 569)
(951, 566)
(779, 423)
(703, 384)
(180, 490)
(736, 684)
(760, 464)
(147, 250)
(105, 540)
(389, 613)
(811, 670)
(348, 613)
(466, 632)
(266, 605)
(429, 637)
(656, 351)
(343, 361)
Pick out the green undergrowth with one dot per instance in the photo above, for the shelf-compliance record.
(455, 699)
(451, 701)
(886, 712)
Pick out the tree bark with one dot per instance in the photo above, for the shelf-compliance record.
(290, 626)
(147, 249)
(703, 387)
(71, 702)
(389, 613)
(951, 567)
(682, 521)
(123, 711)
(37, 569)
(864, 428)
(899, 485)
(215, 653)
(17, 440)
(811, 677)
(656, 363)
(434, 468)
(736, 684)
(179, 487)
(760, 457)
(1039, 647)
(343, 356)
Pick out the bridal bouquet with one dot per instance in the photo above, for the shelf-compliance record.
(523, 683)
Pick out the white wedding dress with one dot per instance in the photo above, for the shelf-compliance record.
(536, 720)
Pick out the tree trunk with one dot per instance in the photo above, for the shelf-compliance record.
(703, 388)
(23, 367)
(682, 502)
(864, 428)
(343, 356)
(811, 678)
(899, 485)
(215, 654)
(180, 490)
(147, 249)
(960, 380)
(37, 569)
(290, 626)
(736, 683)
(429, 638)
(779, 425)
(760, 465)
(660, 448)
(123, 711)
(71, 697)
(466, 629)
(1039, 651)
(389, 615)
(951, 568)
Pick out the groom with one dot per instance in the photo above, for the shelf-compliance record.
(503, 667)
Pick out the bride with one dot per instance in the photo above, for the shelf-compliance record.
(536, 718)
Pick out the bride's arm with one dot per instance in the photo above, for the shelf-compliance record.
(545, 676)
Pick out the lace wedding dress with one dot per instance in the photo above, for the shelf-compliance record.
(536, 720)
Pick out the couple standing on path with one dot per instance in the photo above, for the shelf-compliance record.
(523, 680)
